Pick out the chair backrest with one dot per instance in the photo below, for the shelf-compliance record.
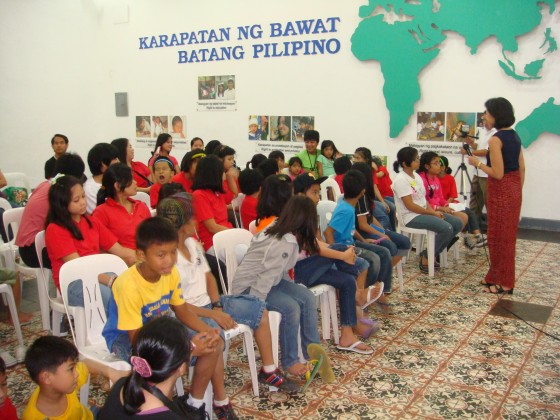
(18, 179)
(39, 246)
(12, 219)
(325, 209)
(398, 210)
(330, 183)
(230, 247)
(143, 197)
(87, 269)
(5, 204)
(253, 227)
(236, 207)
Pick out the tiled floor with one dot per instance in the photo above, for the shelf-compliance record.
(440, 355)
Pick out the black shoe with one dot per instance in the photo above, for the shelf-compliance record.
(450, 245)
(225, 412)
(191, 412)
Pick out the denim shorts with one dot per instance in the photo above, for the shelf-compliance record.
(244, 309)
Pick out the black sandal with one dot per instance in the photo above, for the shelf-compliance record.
(498, 290)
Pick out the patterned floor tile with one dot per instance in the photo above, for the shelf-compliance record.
(480, 347)
(497, 326)
(433, 337)
(442, 401)
(514, 410)
(451, 317)
(540, 388)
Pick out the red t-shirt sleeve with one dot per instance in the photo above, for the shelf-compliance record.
(101, 215)
(154, 195)
(59, 241)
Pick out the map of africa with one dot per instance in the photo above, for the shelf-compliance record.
(406, 46)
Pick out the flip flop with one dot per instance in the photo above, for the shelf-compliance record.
(370, 298)
(310, 374)
(374, 326)
(315, 351)
(354, 348)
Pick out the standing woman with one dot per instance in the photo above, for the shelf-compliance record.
(506, 174)
(164, 144)
(141, 173)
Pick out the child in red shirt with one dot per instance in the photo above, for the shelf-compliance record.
(208, 200)
(164, 169)
(250, 181)
(71, 234)
(188, 169)
(341, 166)
(116, 210)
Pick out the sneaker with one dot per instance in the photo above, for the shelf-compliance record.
(468, 242)
(193, 412)
(225, 412)
(277, 380)
(481, 241)
(9, 360)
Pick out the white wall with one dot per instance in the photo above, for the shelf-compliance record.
(63, 60)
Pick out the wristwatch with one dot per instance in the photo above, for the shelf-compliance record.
(217, 304)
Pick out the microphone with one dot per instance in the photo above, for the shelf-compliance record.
(467, 149)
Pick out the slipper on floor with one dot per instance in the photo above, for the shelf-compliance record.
(372, 328)
(315, 352)
(354, 348)
(372, 296)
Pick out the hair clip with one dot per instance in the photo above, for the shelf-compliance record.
(141, 366)
(54, 178)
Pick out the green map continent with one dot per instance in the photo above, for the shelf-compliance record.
(543, 119)
(405, 47)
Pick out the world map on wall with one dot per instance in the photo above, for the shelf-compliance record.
(404, 37)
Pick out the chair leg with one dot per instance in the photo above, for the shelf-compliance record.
(333, 315)
(43, 300)
(7, 293)
(325, 316)
(431, 244)
(400, 275)
(249, 347)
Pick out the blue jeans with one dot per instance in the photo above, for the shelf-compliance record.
(316, 270)
(385, 272)
(387, 219)
(445, 229)
(297, 305)
(76, 294)
(398, 245)
(472, 223)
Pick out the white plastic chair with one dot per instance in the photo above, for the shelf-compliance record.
(430, 238)
(56, 304)
(12, 219)
(87, 269)
(8, 294)
(5, 251)
(143, 197)
(253, 227)
(335, 188)
(325, 209)
(236, 207)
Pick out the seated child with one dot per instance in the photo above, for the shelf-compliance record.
(250, 181)
(52, 363)
(263, 273)
(152, 288)
(341, 166)
(188, 168)
(342, 230)
(449, 191)
(384, 179)
(201, 291)
(7, 409)
(278, 156)
(163, 169)
(295, 167)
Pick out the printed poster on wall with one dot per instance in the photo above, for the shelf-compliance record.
(443, 132)
(149, 127)
(279, 132)
(216, 93)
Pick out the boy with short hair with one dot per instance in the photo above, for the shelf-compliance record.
(342, 229)
(341, 166)
(152, 288)
(200, 290)
(250, 181)
(310, 154)
(99, 158)
(7, 409)
(52, 363)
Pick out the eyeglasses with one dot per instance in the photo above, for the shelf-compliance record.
(437, 163)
